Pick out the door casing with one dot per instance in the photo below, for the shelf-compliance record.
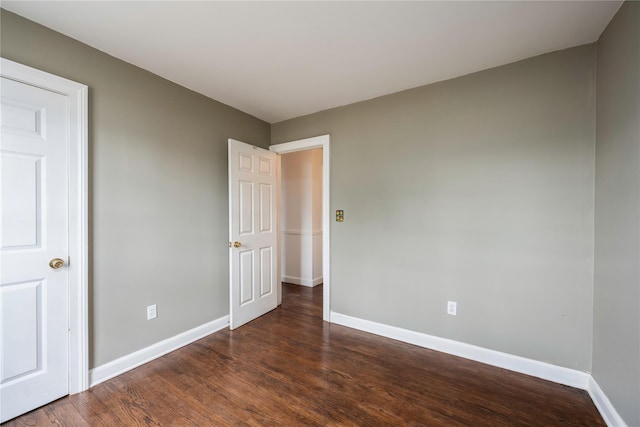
(324, 142)
(77, 95)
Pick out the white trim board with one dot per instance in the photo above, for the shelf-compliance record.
(302, 232)
(324, 142)
(602, 402)
(302, 282)
(123, 364)
(77, 95)
(523, 365)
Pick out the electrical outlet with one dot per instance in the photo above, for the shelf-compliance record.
(152, 312)
(452, 307)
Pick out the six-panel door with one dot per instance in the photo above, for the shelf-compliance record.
(252, 196)
(33, 231)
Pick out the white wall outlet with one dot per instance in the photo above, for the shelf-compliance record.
(152, 312)
(452, 307)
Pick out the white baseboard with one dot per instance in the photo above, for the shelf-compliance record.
(523, 365)
(547, 371)
(557, 374)
(608, 412)
(125, 363)
(302, 282)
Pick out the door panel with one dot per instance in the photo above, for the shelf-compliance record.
(246, 277)
(34, 230)
(251, 223)
(266, 262)
(20, 303)
(22, 201)
(266, 207)
(246, 208)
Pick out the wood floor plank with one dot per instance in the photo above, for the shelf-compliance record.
(94, 411)
(63, 413)
(291, 368)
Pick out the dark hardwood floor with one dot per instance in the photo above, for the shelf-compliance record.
(290, 368)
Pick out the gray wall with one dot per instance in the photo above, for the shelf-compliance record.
(158, 178)
(478, 190)
(616, 339)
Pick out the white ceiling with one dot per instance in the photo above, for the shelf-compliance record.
(278, 60)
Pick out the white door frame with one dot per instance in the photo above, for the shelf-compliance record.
(324, 142)
(77, 95)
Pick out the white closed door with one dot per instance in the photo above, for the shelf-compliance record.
(34, 282)
(252, 232)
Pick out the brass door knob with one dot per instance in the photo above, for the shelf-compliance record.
(56, 263)
(236, 244)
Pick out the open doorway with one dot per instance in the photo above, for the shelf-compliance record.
(301, 217)
(297, 229)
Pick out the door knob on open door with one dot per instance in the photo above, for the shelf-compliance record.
(236, 244)
(56, 263)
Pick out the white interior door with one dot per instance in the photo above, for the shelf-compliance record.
(34, 233)
(252, 232)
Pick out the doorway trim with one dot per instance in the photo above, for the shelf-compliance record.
(77, 96)
(324, 142)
